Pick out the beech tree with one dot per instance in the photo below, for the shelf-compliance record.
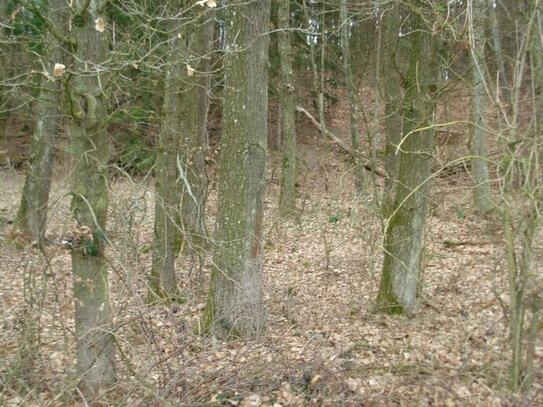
(403, 242)
(235, 306)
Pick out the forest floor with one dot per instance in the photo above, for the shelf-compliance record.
(324, 345)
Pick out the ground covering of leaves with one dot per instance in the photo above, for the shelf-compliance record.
(324, 344)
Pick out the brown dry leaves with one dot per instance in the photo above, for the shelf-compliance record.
(324, 345)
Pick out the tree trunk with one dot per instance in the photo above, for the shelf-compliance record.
(32, 214)
(352, 93)
(482, 197)
(193, 116)
(392, 95)
(180, 173)
(235, 306)
(4, 60)
(404, 228)
(287, 198)
(167, 240)
(313, 38)
(87, 101)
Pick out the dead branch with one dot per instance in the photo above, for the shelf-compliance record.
(340, 143)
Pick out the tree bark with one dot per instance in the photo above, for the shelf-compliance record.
(235, 305)
(287, 197)
(482, 197)
(352, 94)
(167, 237)
(404, 227)
(180, 174)
(193, 115)
(32, 213)
(391, 86)
(87, 101)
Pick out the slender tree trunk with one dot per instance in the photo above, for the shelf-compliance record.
(235, 305)
(525, 292)
(482, 197)
(287, 202)
(352, 94)
(313, 38)
(3, 68)
(193, 116)
(180, 174)
(87, 102)
(32, 214)
(404, 228)
(167, 239)
(499, 54)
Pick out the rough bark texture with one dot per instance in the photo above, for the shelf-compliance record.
(482, 197)
(3, 63)
(167, 241)
(404, 227)
(352, 93)
(235, 306)
(392, 96)
(198, 43)
(287, 198)
(87, 101)
(32, 213)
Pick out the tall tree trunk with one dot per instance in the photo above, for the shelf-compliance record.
(287, 198)
(391, 86)
(522, 226)
(352, 93)
(167, 240)
(404, 228)
(499, 53)
(87, 100)
(180, 173)
(313, 38)
(193, 117)
(482, 197)
(32, 214)
(235, 305)
(3, 67)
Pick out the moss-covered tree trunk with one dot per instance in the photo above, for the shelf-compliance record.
(32, 213)
(352, 95)
(235, 306)
(404, 227)
(478, 151)
(287, 197)
(87, 101)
